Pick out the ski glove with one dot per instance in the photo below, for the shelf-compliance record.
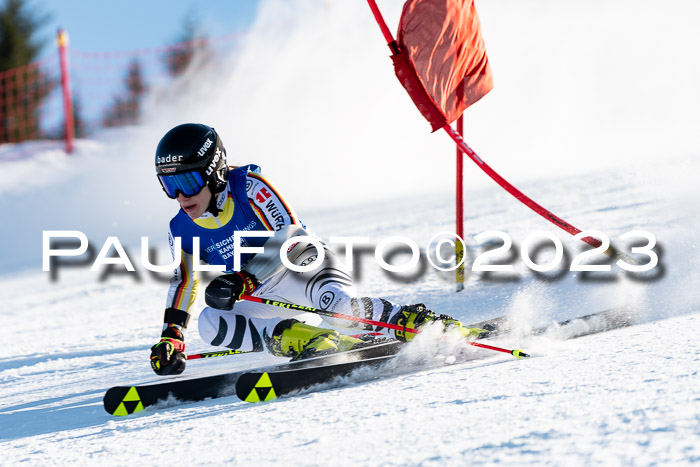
(222, 292)
(168, 356)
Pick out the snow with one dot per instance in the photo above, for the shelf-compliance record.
(624, 397)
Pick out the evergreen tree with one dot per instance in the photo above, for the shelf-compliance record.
(22, 89)
(126, 108)
(189, 44)
(79, 125)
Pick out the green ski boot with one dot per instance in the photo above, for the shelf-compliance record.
(417, 316)
(292, 338)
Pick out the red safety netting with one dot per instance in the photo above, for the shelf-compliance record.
(107, 88)
(442, 62)
(21, 93)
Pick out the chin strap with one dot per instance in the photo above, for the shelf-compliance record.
(213, 207)
(218, 184)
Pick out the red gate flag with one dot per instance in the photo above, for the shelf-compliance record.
(461, 78)
(442, 60)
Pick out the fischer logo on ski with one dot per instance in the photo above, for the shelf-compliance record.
(130, 403)
(262, 391)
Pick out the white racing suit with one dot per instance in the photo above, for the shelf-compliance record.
(329, 288)
(247, 325)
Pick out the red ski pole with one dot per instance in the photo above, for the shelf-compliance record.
(223, 353)
(515, 352)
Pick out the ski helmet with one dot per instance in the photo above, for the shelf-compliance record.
(190, 157)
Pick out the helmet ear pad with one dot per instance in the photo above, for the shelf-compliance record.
(219, 177)
(219, 180)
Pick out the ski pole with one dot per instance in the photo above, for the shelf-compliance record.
(221, 353)
(224, 353)
(515, 352)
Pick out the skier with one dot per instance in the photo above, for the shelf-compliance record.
(216, 200)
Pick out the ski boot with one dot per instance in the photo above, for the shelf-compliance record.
(292, 338)
(417, 316)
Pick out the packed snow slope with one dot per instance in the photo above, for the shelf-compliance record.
(626, 397)
(578, 120)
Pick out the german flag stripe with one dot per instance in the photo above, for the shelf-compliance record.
(289, 210)
(182, 288)
(260, 215)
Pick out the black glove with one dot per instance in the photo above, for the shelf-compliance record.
(168, 356)
(222, 292)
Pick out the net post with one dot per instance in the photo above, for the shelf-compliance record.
(65, 86)
(459, 202)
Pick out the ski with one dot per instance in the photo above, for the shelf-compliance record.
(593, 323)
(125, 400)
(270, 382)
(263, 386)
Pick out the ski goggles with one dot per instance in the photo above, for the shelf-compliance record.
(187, 183)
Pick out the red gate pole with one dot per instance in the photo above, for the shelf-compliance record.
(459, 202)
(65, 86)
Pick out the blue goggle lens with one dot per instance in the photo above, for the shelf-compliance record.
(188, 183)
